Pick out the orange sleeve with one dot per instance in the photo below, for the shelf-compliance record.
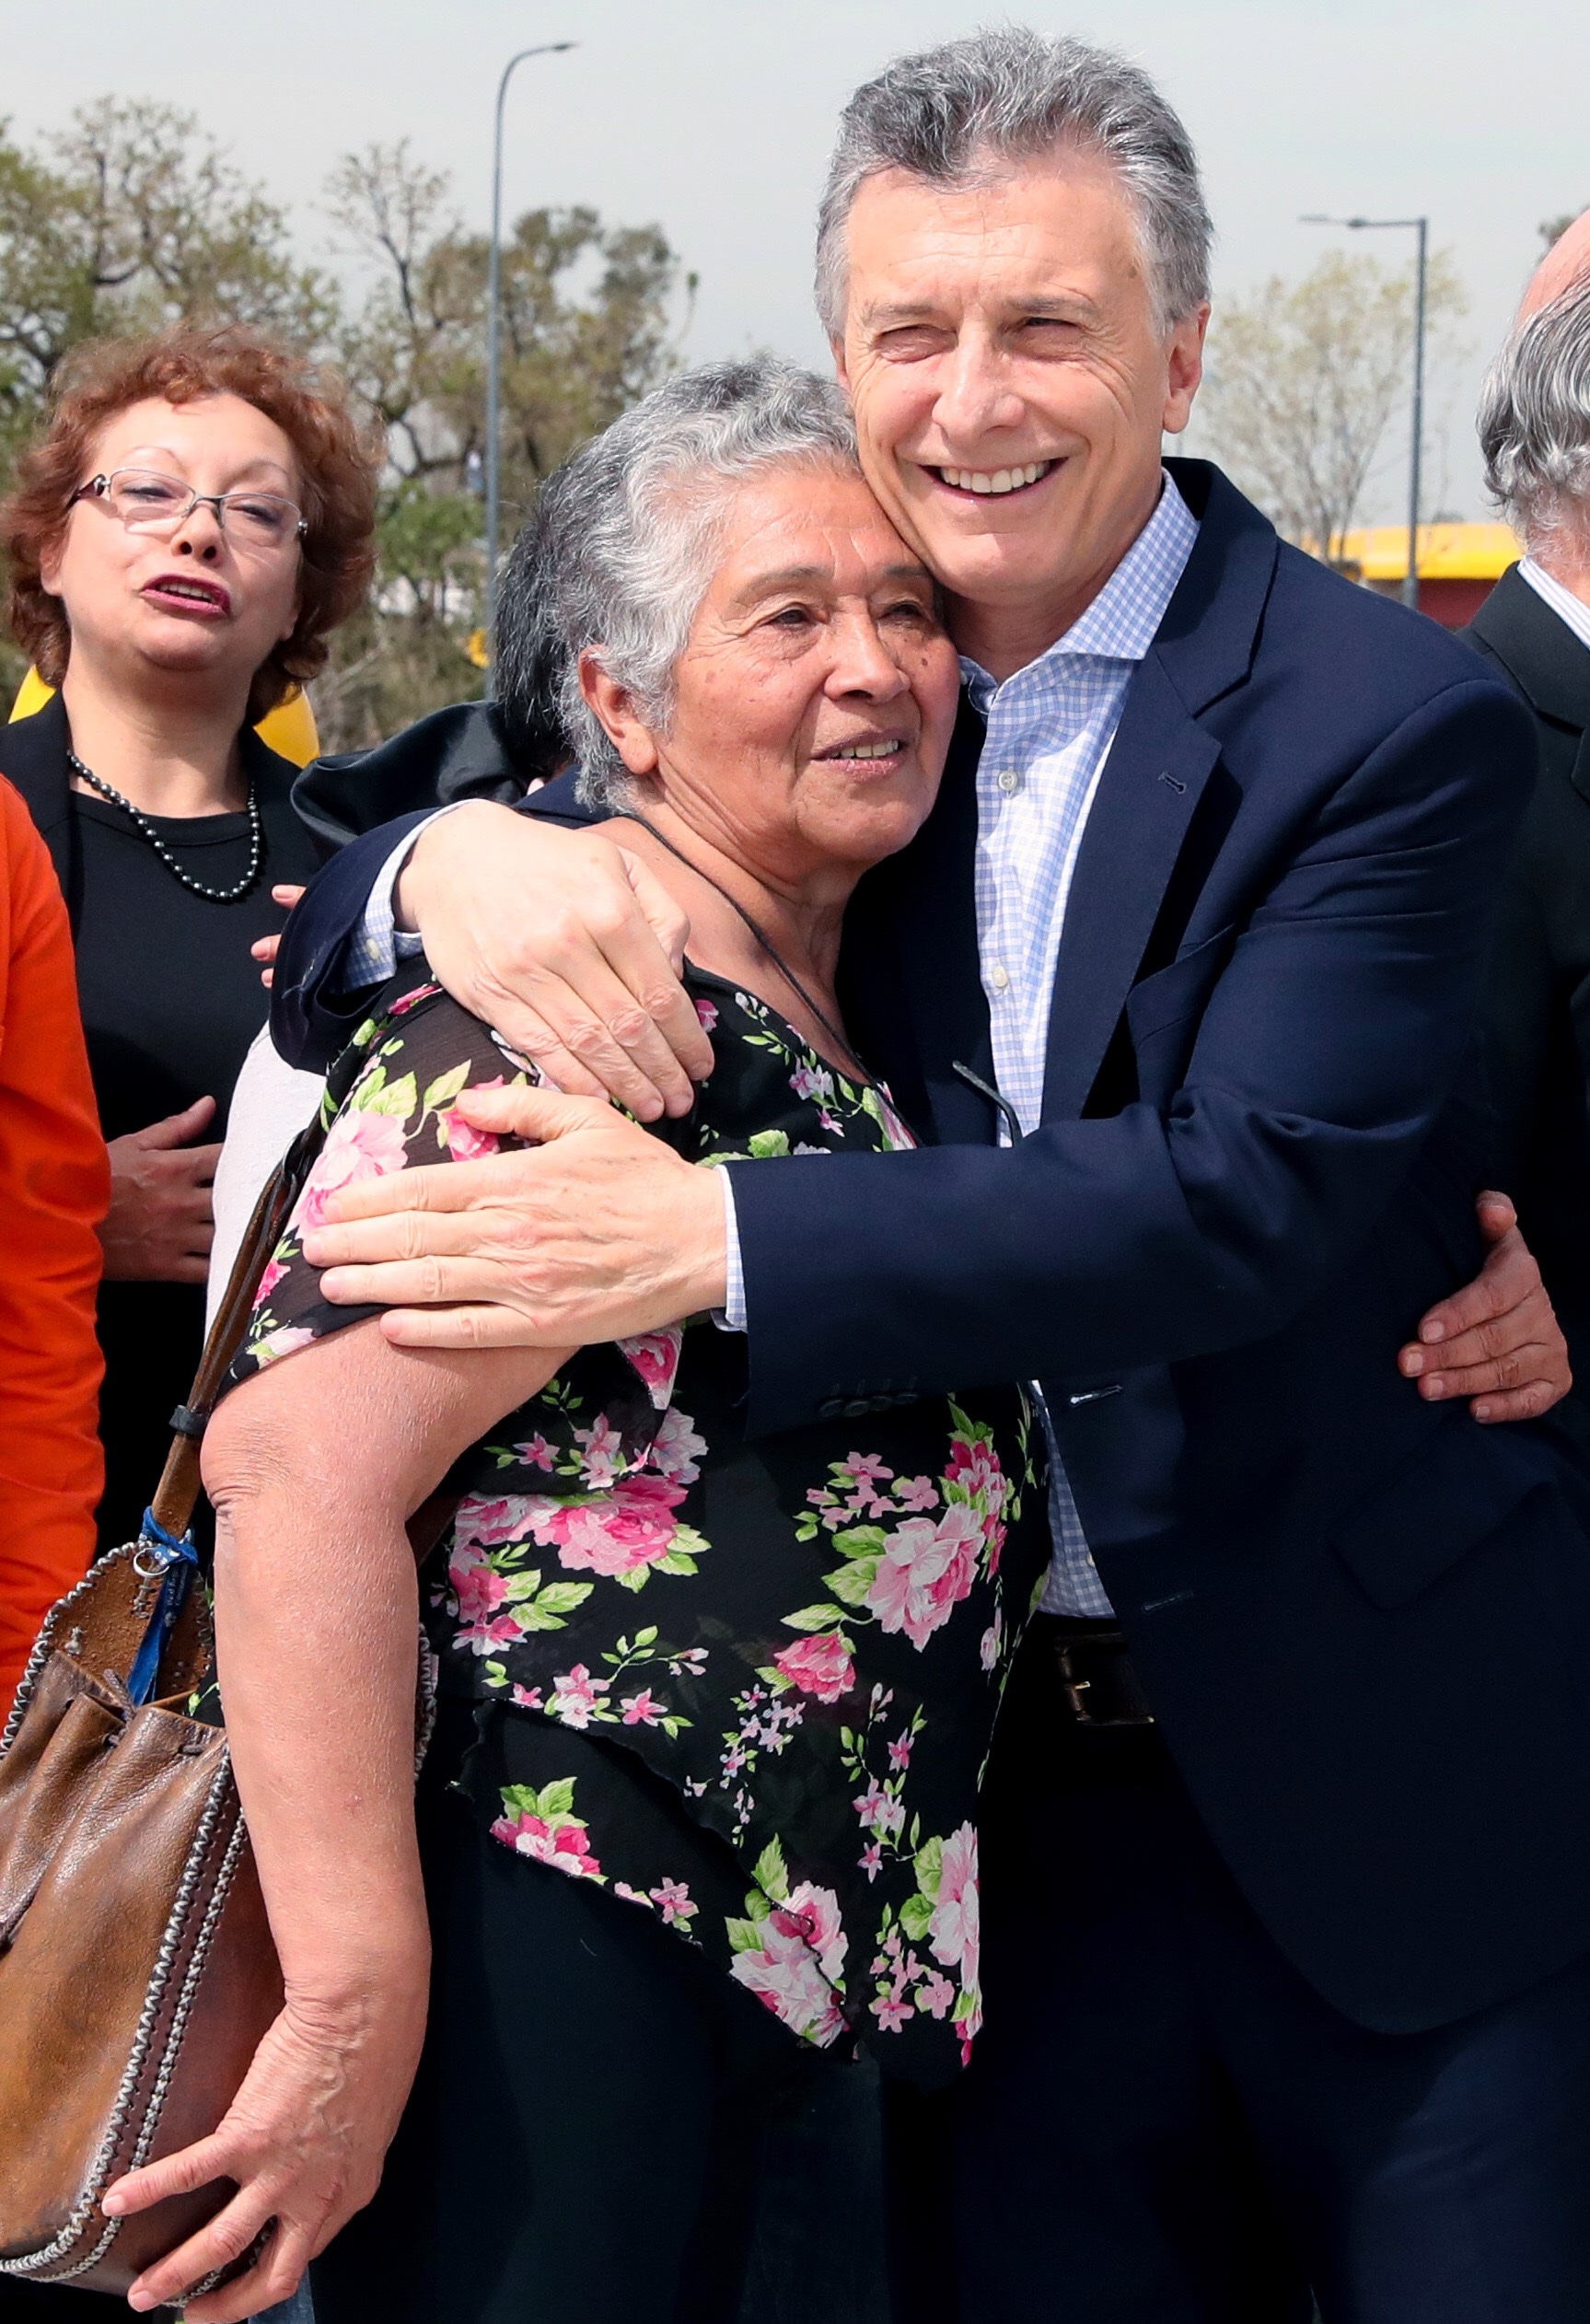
(54, 1187)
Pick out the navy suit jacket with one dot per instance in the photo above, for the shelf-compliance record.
(1363, 1620)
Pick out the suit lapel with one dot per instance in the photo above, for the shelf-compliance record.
(1152, 782)
(1154, 777)
(1541, 655)
(910, 975)
(1546, 661)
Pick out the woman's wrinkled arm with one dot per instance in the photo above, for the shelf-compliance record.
(313, 1464)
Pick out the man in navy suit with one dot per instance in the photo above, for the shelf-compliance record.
(1288, 1855)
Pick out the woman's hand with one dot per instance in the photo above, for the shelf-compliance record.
(568, 945)
(265, 951)
(303, 2140)
(161, 1221)
(313, 1465)
(1497, 1341)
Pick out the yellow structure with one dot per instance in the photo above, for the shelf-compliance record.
(1446, 553)
(289, 728)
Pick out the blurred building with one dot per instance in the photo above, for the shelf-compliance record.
(1458, 564)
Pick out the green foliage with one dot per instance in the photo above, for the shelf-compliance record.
(586, 331)
(130, 220)
(133, 219)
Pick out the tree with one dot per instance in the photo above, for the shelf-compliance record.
(133, 221)
(585, 314)
(134, 218)
(1304, 378)
(1551, 231)
(586, 330)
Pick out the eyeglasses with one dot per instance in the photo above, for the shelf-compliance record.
(147, 502)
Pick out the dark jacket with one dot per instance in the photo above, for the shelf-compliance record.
(1538, 1000)
(33, 758)
(456, 753)
(1363, 1620)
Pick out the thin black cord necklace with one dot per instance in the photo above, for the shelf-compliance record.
(194, 886)
(829, 1027)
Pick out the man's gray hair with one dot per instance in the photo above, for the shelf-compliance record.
(1535, 419)
(619, 553)
(959, 114)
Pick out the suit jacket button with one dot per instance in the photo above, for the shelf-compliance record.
(882, 1403)
(857, 1407)
(831, 1408)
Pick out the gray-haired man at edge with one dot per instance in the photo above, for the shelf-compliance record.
(1535, 628)
(1285, 1956)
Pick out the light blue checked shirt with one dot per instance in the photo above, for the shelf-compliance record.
(1050, 729)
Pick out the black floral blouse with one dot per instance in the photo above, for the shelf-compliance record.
(747, 1686)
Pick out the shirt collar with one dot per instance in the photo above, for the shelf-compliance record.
(1123, 620)
(1564, 603)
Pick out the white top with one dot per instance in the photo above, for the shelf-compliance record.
(270, 1106)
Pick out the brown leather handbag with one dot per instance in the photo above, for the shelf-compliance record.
(137, 1973)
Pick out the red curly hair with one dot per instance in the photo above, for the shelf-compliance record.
(338, 461)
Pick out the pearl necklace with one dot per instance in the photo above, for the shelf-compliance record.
(195, 887)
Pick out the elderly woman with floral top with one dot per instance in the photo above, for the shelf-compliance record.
(699, 1812)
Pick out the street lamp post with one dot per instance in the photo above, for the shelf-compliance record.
(1422, 228)
(494, 351)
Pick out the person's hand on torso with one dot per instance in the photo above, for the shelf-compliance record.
(266, 949)
(160, 1222)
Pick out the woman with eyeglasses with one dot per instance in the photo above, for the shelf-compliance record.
(195, 520)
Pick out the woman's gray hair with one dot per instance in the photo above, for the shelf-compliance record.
(1535, 419)
(619, 553)
(957, 114)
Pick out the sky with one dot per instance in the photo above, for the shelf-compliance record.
(715, 117)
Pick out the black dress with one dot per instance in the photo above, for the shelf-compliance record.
(171, 1001)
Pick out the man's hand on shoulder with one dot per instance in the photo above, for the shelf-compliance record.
(1497, 1341)
(596, 1231)
(566, 943)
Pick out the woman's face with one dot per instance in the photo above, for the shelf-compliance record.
(199, 601)
(815, 701)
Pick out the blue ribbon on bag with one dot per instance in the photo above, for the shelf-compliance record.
(162, 1552)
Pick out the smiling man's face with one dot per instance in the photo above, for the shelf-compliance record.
(1011, 384)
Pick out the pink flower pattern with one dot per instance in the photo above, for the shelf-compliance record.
(797, 1970)
(823, 1666)
(928, 1567)
(462, 1140)
(655, 1356)
(609, 1533)
(565, 1846)
(358, 1146)
(589, 1500)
